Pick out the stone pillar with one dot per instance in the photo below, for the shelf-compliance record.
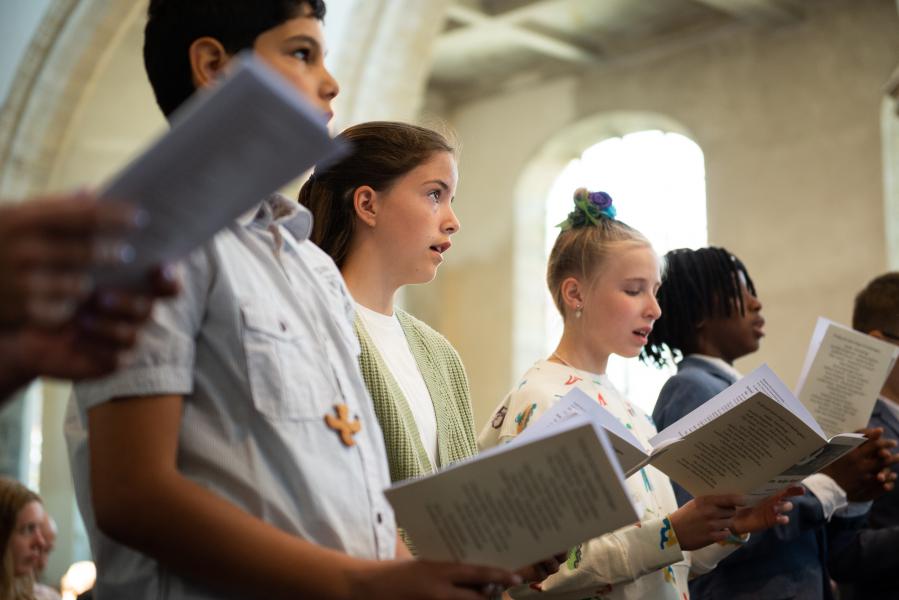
(382, 56)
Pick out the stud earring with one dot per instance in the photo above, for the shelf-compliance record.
(578, 311)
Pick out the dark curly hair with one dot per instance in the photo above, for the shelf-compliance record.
(696, 285)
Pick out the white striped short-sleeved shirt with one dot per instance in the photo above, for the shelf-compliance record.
(260, 344)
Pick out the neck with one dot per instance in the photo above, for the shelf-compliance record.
(707, 348)
(575, 353)
(369, 282)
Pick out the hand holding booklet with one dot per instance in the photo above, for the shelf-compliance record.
(228, 148)
(515, 504)
(754, 438)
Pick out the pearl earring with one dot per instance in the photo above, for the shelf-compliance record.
(578, 311)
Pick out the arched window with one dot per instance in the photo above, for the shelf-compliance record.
(657, 181)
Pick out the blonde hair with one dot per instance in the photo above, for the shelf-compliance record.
(13, 498)
(582, 251)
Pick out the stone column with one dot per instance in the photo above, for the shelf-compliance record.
(382, 56)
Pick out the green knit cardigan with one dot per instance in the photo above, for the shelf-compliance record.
(447, 383)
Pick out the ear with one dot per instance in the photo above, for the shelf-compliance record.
(573, 293)
(365, 204)
(207, 61)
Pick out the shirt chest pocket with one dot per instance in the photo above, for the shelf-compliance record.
(289, 374)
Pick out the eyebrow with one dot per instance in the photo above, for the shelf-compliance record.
(305, 38)
(642, 280)
(439, 182)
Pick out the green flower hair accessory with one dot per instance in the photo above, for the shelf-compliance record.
(589, 208)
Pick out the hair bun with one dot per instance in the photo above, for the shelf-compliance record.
(589, 209)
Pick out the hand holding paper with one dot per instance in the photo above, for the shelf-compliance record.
(516, 504)
(228, 149)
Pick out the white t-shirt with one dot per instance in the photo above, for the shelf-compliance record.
(390, 340)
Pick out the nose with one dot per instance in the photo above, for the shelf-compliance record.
(329, 87)
(451, 224)
(753, 303)
(654, 311)
(38, 541)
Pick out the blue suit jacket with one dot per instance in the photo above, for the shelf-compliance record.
(785, 562)
(866, 562)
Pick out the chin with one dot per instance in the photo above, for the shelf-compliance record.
(630, 352)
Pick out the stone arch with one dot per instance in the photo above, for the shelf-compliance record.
(75, 39)
(531, 191)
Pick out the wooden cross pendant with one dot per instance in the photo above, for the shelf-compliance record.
(341, 424)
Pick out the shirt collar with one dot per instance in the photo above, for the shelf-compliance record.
(278, 210)
(720, 364)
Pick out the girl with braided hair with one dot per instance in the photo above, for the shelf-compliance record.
(711, 316)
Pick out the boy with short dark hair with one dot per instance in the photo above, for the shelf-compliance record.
(866, 563)
(236, 453)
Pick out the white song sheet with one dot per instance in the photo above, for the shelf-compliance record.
(753, 438)
(843, 374)
(518, 503)
(228, 148)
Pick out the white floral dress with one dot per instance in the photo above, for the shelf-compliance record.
(641, 561)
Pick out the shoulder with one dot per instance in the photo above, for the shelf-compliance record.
(433, 340)
(685, 391)
(538, 390)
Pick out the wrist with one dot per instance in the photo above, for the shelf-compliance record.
(357, 579)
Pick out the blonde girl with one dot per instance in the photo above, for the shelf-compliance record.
(603, 276)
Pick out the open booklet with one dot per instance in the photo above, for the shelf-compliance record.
(754, 438)
(518, 503)
(843, 374)
(228, 148)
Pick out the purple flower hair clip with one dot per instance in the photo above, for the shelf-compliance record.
(589, 208)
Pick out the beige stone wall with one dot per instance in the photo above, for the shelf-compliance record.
(790, 124)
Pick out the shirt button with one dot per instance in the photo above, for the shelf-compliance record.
(380, 518)
(283, 326)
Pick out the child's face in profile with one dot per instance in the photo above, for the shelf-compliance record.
(737, 335)
(415, 220)
(620, 307)
(296, 49)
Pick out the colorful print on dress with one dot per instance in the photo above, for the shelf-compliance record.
(666, 535)
(646, 482)
(525, 416)
(574, 557)
(572, 379)
(499, 417)
(602, 401)
(669, 575)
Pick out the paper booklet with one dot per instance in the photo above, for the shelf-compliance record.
(228, 148)
(518, 503)
(843, 374)
(754, 438)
